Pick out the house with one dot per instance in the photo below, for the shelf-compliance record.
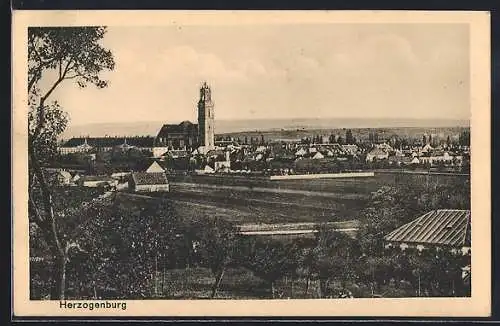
(385, 147)
(439, 157)
(61, 177)
(300, 152)
(318, 156)
(155, 167)
(94, 181)
(377, 154)
(260, 149)
(442, 228)
(415, 160)
(223, 164)
(427, 148)
(351, 149)
(149, 182)
(75, 178)
(207, 170)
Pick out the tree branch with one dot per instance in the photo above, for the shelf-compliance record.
(38, 217)
(49, 225)
(41, 111)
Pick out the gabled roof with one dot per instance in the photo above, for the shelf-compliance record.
(439, 227)
(215, 152)
(351, 148)
(377, 151)
(65, 174)
(181, 128)
(144, 178)
(155, 167)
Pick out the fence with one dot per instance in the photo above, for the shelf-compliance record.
(322, 176)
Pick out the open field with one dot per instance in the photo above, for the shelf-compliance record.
(242, 208)
(361, 186)
(245, 200)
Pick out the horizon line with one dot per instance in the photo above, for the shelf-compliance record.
(293, 118)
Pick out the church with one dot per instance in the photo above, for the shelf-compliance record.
(187, 135)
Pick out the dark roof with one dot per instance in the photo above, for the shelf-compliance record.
(143, 165)
(440, 227)
(185, 127)
(215, 152)
(283, 154)
(139, 141)
(143, 178)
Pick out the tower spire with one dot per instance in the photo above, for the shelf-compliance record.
(206, 117)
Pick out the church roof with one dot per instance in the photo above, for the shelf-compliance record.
(182, 128)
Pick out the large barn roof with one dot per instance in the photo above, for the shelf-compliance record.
(449, 227)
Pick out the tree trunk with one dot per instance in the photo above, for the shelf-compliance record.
(58, 289)
(308, 278)
(49, 229)
(218, 281)
(323, 288)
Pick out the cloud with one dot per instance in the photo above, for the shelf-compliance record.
(314, 71)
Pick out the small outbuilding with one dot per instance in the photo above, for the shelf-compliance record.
(149, 182)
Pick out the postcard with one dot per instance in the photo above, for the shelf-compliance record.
(251, 163)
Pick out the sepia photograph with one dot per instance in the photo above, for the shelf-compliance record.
(179, 159)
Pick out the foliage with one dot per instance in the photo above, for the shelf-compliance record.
(333, 258)
(216, 243)
(271, 260)
(60, 54)
(118, 249)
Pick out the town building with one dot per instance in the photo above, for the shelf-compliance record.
(442, 228)
(60, 177)
(149, 182)
(188, 135)
(377, 154)
(103, 144)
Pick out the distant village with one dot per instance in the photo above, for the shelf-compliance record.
(145, 161)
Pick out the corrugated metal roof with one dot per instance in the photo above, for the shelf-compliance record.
(444, 227)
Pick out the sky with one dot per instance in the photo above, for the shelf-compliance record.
(280, 71)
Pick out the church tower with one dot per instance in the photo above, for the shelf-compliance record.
(206, 118)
